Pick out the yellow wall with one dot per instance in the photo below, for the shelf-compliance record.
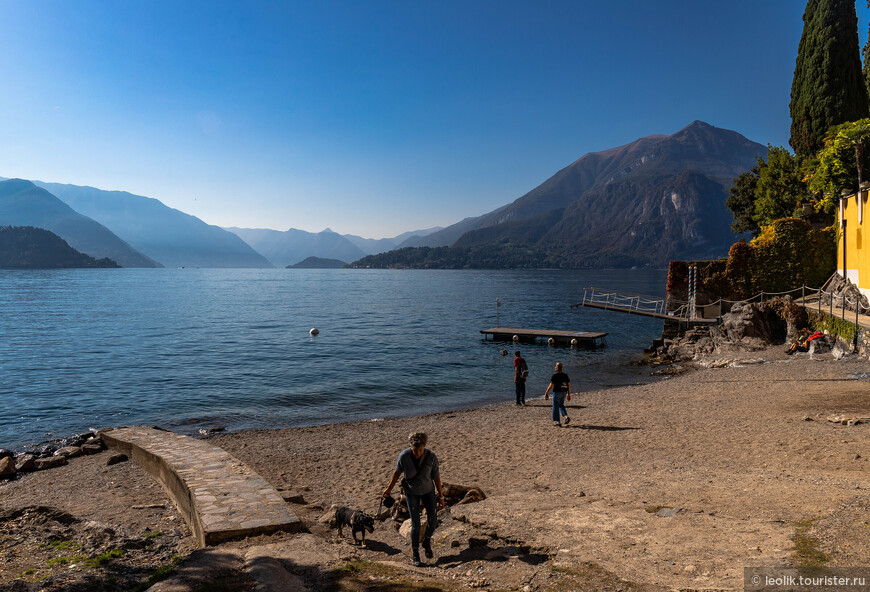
(857, 236)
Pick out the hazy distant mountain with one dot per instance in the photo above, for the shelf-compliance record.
(292, 246)
(655, 199)
(318, 263)
(168, 235)
(373, 246)
(24, 204)
(28, 247)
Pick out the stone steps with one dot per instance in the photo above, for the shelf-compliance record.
(220, 497)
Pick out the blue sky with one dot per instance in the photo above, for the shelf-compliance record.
(370, 117)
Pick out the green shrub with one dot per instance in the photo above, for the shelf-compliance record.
(787, 254)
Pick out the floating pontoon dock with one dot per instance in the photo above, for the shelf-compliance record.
(508, 333)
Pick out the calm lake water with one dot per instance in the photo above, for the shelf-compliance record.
(187, 349)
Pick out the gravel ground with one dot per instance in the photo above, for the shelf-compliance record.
(672, 485)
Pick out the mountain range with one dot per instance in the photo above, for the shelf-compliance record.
(292, 246)
(658, 198)
(24, 204)
(167, 235)
(28, 247)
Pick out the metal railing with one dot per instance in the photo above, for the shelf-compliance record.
(686, 310)
(628, 302)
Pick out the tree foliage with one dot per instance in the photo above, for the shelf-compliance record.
(836, 165)
(741, 202)
(780, 189)
(828, 86)
(865, 54)
(787, 254)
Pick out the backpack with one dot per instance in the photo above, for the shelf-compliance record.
(524, 370)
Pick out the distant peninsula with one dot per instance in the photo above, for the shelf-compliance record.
(28, 247)
(318, 263)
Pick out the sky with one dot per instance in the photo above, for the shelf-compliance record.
(372, 117)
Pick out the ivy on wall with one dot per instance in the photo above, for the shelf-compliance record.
(787, 254)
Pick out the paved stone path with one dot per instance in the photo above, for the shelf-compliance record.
(220, 497)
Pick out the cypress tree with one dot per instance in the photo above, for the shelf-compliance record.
(828, 86)
(866, 55)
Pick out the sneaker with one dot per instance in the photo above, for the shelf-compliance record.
(556, 424)
(427, 548)
(567, 420)
(416, 561)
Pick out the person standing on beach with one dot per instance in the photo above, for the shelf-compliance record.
(560, 384)
(419, 465)
(521, 372)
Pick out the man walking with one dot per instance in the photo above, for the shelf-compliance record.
(521, 372)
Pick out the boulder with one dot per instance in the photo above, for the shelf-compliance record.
(7, 467)
(117, 458)
(5, 453)
(460, 494)
(293, 497)
(749, 326)
(843, 290)
(329, 517)
(93, 447)
(68, 451)
(25, 462)
(50, 462)
(405, 529)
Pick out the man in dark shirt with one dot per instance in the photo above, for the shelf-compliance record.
(521, 372)
(560, 384)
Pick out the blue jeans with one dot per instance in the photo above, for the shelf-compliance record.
(413, 502)
(559, 405)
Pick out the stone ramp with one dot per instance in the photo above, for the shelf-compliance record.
(220, 497)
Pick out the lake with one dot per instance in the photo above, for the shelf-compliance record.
(190, 349)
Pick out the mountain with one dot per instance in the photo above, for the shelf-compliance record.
(24, 204)
(655, 199)
(292, 246)
(28, 247)
(168, 235)
(318, 263)
(373, 246)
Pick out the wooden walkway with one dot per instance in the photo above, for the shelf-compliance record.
(584, 337)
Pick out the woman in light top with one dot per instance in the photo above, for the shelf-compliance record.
(419, 465)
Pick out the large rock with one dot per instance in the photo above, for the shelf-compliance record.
(50, 462)
(7, 467)
(68, 451)
(405, 529)
(842, 291)
(5, 452)
(25, 462)
(92, 447)
(749, 326)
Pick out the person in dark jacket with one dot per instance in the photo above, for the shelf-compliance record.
(421, 481)
(560, 384)
(521, 372)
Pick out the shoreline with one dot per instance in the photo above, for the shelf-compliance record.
(506, 398)
(741, 455)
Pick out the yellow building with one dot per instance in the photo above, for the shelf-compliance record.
(853, 248)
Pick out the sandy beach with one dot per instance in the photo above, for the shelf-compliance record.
(673, 485)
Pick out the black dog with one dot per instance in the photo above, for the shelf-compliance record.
(358, 521)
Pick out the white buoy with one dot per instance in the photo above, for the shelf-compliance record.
(516, 338)
(314, 332)
(573, 342)
(551, 341)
